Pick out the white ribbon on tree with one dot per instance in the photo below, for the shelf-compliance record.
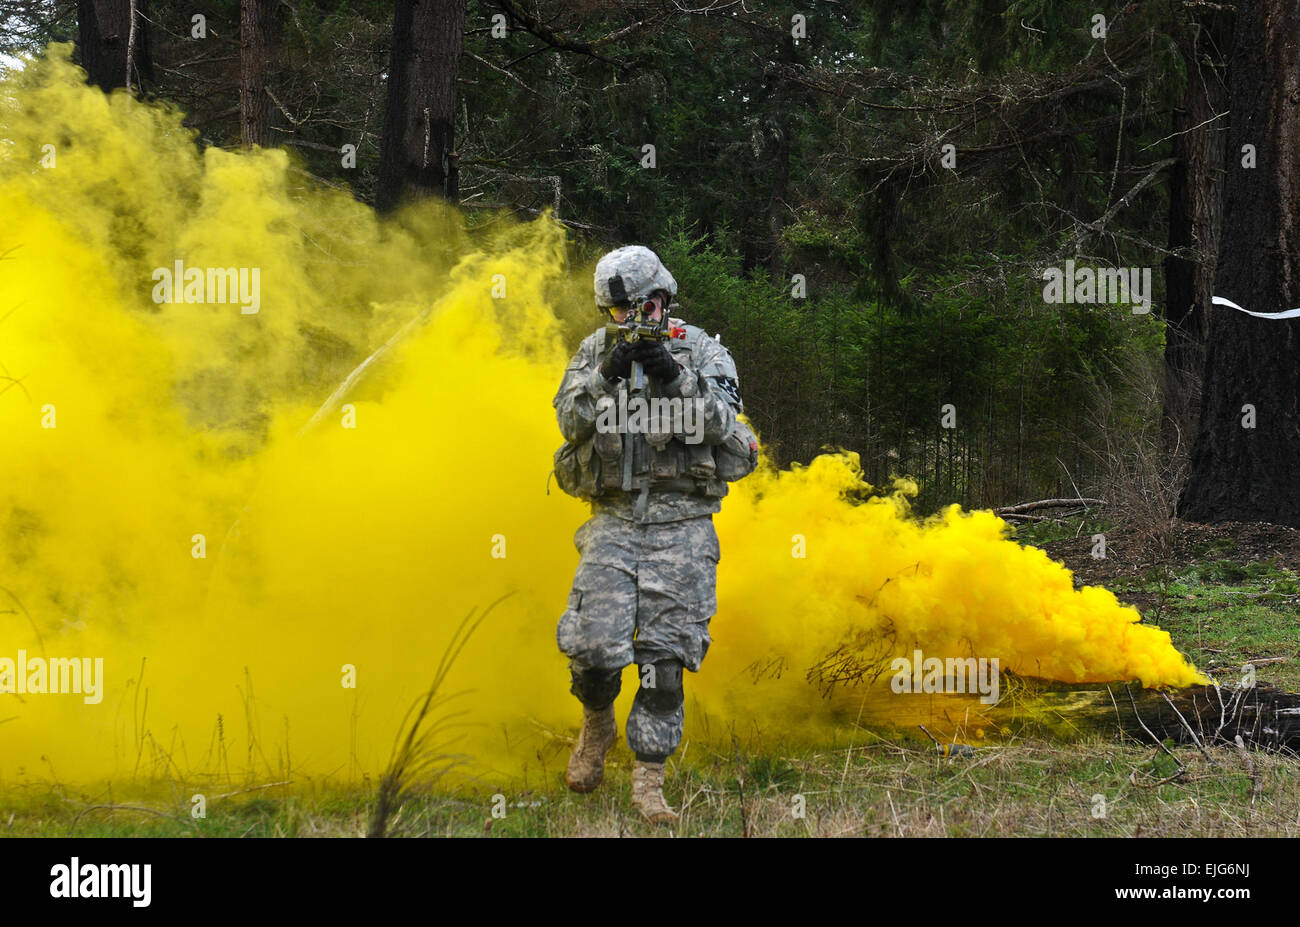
(1289, 314)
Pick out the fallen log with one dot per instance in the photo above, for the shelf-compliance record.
(1022, 507)
(1264, 717)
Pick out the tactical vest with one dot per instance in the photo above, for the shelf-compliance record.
(622, 462)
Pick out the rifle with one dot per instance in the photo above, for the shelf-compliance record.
(632, 329)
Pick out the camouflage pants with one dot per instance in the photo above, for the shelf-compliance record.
(642, 594)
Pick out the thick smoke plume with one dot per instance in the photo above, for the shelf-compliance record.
(160, 510)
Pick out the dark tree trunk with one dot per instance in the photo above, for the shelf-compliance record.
(257, 35)
(776, 205)
(1200, 146)
(1239, 473)
(418, 155)
(104, 32)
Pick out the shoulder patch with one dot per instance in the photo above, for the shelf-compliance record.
(731, 389)
(716, 361)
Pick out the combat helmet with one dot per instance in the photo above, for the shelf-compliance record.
(629, 274)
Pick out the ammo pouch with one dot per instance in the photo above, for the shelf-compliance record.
(581, 472)
(697, 469)
(577, 469)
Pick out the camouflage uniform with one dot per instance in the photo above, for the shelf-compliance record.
(644, 590)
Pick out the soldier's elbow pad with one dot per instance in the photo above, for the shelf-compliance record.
(737, 456)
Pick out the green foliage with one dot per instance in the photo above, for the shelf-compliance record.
(776, 772)
(834, 369)
(817, 156)
(1221, 571)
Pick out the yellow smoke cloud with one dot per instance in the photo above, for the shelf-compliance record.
(364, 541)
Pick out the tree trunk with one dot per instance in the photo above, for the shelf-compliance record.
(1253, 365)
(781, 106)
(418, 155)
(104, 33)
(1195, 214)
(257, 33)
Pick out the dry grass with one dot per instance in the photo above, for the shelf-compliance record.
(1143, 457)
(882, 789)
(420, 756)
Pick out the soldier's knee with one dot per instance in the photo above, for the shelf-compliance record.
(596, 688)
(661, 686)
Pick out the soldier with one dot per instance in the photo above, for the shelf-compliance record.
(644, 590)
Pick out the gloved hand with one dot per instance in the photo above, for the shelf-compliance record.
(619, 362)
(657, 361)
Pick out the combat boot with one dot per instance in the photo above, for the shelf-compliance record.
(587, 764)
(648, 793)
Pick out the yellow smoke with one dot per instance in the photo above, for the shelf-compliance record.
(364, 541)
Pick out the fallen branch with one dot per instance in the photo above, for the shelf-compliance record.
(1020, 507)
(1133, 780)
(1160, 743)
(255, 788)
(141, 808)
(350, 380)
(1196, 740)
(1057, 519)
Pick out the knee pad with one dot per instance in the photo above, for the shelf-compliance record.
(596, 688)
(666, 695)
